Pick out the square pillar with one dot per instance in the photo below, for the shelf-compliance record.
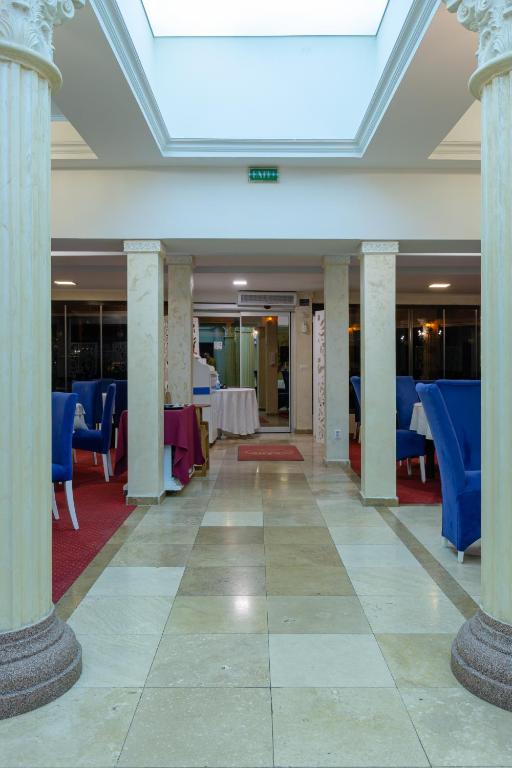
(145, 266)
(378, 373)
(180, 286)
(336, 300)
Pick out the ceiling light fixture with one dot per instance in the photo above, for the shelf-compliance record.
(64, 282)
(239, 282)
(439, 285)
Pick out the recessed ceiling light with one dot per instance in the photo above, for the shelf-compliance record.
(64, 282)
(239, 282)
(439, 285)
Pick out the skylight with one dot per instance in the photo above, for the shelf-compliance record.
(262, 18)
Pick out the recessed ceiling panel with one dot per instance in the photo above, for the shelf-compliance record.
(262, 18)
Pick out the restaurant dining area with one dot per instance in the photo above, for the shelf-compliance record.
(254, 384)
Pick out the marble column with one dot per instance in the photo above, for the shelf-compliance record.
(180, 285)
(482, 651)
(145, 268)
(39, 656)
(336, 301)
(378, 373)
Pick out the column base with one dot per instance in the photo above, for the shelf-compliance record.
(337, 463)
(378, 501)
(482, 659)
(145, 501)
(37, 665)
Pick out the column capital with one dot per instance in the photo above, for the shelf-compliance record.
(26, 33)
(144, 246)
(385, 247)
(180, 260)
(335, 260)
(492, 20)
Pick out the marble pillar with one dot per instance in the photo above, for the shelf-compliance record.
(336, 301)
(145, 268)
(180, 286)
(39, 656)
(378, 373)
(482, 651)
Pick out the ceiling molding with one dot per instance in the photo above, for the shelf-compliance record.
(72, 150)
(457, 150)
(411, 34)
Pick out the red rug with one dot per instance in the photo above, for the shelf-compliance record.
(269, 452)
(410, 490)
(100, 508)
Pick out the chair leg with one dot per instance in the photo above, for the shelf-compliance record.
(74, 456)
(110, 470)
(460, 556)
(94, 459)
(68, 486)
(105, 467)
(55, 509)
(409, 468)
(116, 434)
(422, 469)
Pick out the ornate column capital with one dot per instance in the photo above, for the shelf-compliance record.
(26, 32)
(492, 20)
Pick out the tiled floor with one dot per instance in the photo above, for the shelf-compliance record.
(264, 618)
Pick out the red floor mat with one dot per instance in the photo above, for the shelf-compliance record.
(410, 490)
(100, 508)
(269, 452)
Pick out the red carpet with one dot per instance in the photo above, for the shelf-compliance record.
(100, 509)
(410, 490)
(269, 452)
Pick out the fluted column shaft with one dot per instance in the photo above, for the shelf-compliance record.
(180, 284)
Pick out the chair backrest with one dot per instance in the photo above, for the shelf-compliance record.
(88, 393)
(63, 416)
(356, 386)
(463, 401)
(106, 419)
(406, 396)
(449, 455)
(121, 402)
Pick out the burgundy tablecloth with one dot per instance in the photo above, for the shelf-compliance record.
(180, 430)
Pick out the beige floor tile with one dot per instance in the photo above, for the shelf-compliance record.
(390, 580)
(137, 580)
(289, 545)
(212, 555)
(318, 661)
(157, 548)
(213, 535)
(376, 555)
(343, 727)
(431, 614)
(458, 729)
(85, 727)
(419, 661)
(230, 518)
(189, 727)
(235, 504)
(277, 516)
(362, 534)
(121, 615)
(203, 661)
(218, 614)
(234, 580)
(318, 615)
(111, 661)
(308, 580)
(336, 513)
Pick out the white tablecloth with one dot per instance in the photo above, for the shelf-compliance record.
(419, 421)
(236, 410)
(79, 422)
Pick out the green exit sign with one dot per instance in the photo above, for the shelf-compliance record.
(264, 175)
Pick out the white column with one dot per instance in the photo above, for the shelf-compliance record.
(482, 652)
(336, 300)
(378, 373)
(39, 655)
(145, 267)
(180, 286)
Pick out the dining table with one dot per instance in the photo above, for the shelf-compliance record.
(419, 424)
(236, 410)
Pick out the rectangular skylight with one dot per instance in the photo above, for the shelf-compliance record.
(262, 18)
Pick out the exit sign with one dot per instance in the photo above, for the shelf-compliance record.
(264, 175)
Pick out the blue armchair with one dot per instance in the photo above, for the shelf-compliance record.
(98, 440)
(451, 408)
(88, 395)
(104, 384)
(409, 444)
(121, 403)
(356, 385)
(63, 415)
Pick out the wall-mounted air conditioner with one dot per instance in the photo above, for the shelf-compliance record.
(267, 299)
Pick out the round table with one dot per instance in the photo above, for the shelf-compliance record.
(236, 410)
(419, 421)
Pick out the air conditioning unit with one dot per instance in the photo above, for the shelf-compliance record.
(267, 299)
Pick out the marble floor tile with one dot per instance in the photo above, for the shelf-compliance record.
(235, 504)
(241, 517)
(121, 615)
(203, 728)
(390, 580)
(287, 517)
(362, 534)
(376, 555)
(212, 555)
(111, 661)
(318, 615)
(299, 546)
(218, 614)
(231, 580)
(207, 661)
(419, 661)
(308, 580)
(458, 729)
(338, 513)
(137, 580)
(429, 614)
(222, 535)
(345, 661)
(334, 728)
(157, 548)
(85, 728)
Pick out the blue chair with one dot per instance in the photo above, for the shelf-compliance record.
(104, 384)
(98, 440)
(121, 403)
(63, 415)
(461, 486)
(409, 445)
(356, 386)
(88, 394)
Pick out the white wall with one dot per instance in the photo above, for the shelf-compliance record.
(219, 202)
